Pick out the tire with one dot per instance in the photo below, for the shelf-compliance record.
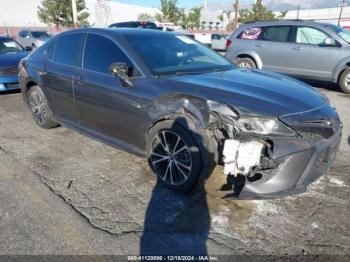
(41, 112)
(344, 81)
(179, 171)
(245, 62)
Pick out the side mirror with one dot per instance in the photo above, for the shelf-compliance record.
(121, 70)
(28, 48)
(28, 36)
(330, 42)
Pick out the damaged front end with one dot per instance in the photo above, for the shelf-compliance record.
(269, 157)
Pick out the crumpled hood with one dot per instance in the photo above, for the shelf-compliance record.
(255, 92)
(11, 59)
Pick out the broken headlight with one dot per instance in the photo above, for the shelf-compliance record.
(264, 126)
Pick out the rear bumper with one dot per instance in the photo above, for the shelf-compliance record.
(299, 164)
(8, 83)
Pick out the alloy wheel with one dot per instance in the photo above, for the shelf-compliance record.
(347, 80)
(37, 105)
(171, 158)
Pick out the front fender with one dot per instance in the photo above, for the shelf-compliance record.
(343, 64)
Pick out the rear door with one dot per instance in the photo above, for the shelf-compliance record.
(61, 68)
(309, 57)
(273, 47)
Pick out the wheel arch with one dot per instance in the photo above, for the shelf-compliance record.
(342, 65)
(190, 112)
(249, 54)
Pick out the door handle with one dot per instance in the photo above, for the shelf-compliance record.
(297, 48)
(42, 72)
(79, 79)
(259, 45)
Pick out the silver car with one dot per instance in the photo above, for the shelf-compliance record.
(303, 49)
(32, 38)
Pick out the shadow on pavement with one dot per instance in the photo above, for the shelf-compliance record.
(10, 92)
(177, 224)
(324, 85)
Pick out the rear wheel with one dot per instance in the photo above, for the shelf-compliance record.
(40, 110)
(344, 81)
(174, 156)
(245, 62)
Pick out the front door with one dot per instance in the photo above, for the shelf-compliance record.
(104, 104)
(310, 57)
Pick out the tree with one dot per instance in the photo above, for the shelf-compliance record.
(258, 12)
(171, 13)
(193, 18)
(103, 12)
(145, 17)
(59, 13)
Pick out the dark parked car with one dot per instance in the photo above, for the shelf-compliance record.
(185, 107)
(135, 24)
(10, 54)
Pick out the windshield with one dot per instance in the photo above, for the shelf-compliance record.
(9, 46)
(40, 34)
(168, 54)
(344, 34)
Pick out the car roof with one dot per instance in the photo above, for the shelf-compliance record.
(285, 22)
(122, 31)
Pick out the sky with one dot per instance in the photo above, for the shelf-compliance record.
(156, 3)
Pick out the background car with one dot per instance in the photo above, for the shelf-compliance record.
(218, 42)
(303, 49)
(32, 38)
(134, 24)
(10, 54)
(165, 96)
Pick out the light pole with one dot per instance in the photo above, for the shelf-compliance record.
(342, 3)
(74, 11)
(237, 6)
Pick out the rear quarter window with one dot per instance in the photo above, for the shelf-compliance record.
(252, 33)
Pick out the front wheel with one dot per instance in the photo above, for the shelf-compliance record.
(344, 81)
(174, 156)
(40, 109)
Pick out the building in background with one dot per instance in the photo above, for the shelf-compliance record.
(19, 14)
(330, 15)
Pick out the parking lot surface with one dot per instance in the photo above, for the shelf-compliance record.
(64, 193)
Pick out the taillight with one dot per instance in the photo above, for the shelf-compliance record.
(228, 43)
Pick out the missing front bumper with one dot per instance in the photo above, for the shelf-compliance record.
(294, 164)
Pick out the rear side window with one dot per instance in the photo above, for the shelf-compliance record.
(276, 34)
(311, 36)
(67, 49)
(101, 52)
(50, 52)
(251, 33)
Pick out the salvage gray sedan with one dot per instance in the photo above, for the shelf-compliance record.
(186, 108)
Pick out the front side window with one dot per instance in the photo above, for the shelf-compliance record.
(171, 54)
(100, 53)
(9, 46)
(343, 33)
(311, 36)
(276, 33)
(67, 49)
